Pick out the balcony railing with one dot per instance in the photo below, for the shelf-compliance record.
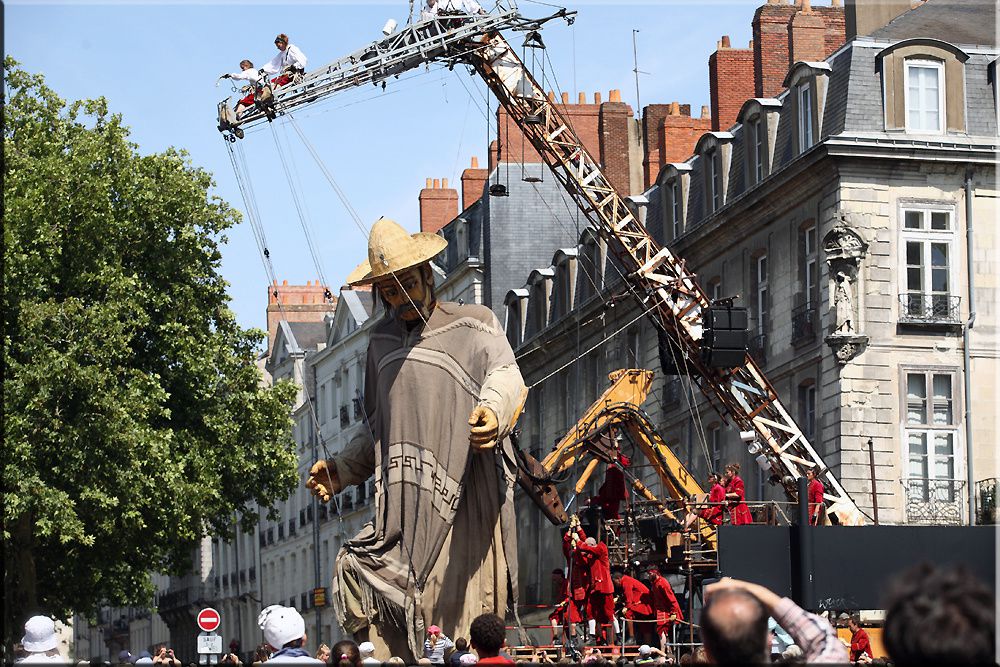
(803, 324)
(919, 308)
(986, 502)
(934, 501)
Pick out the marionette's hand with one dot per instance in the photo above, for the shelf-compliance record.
(485, 428)
(323, 480)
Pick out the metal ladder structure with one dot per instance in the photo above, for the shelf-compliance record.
(660, 280)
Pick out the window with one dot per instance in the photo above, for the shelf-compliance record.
(715, 289)
(632, 353)
(761, 294)
(927, 238)
(805, 107)
(715, 447)
(756, 148)
(811, 264)
(713, 172)
(931, 431)
(807, 409)
(924, 86)
(321, 407)
(676, 215)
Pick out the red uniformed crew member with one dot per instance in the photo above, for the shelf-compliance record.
(739, 513)
(565, 613)
(637, 602)
(579, 565)
(859, 639)
(613, 491)
(666, 609)
(817, 508)
(717, 494)
(600, 598)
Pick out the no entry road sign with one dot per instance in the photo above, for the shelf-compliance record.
(209, 619)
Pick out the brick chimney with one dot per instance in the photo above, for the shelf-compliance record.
(296, 303)
(730, 82)
(671, 134)
(438, 205)
(866, 16)
(473, 182)
(786, 33)
(615, 117)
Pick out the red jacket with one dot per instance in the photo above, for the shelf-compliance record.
(713, 514)
(739, 513)
(816, 490)
(664, 600)
(579, 566)
(860, 645)
(636, 595)
(600, 567)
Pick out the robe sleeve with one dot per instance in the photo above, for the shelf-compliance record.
(503, 387)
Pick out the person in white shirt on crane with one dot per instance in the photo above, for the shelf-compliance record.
(289, 62)
(249, 74)
(435, 7)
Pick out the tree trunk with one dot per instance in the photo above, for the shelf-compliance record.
(20, 584)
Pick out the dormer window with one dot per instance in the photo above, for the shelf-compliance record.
(715, 151)
(759, 118)
(804, 98)
(673, 183)
(924, 95)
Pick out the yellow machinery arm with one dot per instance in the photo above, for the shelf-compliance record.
(619, 407)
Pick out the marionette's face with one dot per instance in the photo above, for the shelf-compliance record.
(410, 293)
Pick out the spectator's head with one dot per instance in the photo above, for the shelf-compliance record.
(854, 623)
(345, 653)
(487, 635)
(645, 650)
(792, 655)
(461, 644)
(395, 660)
(366, 650)
(283, 627)
(734, 628)
(938, 615)
(323, 653)
(40, 636)
(699, 656)
(124, 656)
(262, 653)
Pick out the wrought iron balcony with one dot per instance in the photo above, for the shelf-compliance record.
(934, 501)
(804, 323)
(920, 308)
(986, 502)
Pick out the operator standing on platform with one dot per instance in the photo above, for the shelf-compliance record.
(441, 392)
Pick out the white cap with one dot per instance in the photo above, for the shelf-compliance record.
(281, 625)
(645, 650)
(144, 661)
(366, 649)
(39, 635)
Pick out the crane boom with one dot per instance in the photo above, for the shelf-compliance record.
(661, 281)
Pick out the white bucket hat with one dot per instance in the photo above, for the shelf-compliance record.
(39, 635)
(366, 649)
(281, 625)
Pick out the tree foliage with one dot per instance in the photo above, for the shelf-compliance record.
(135, 420)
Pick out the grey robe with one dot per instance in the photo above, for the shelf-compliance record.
(442, 547)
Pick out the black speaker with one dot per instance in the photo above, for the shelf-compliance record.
(656, 527)
(724, 336)
(671, 356)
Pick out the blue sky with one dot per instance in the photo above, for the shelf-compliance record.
(157, 64)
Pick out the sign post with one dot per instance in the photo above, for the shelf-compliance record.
(209, 642)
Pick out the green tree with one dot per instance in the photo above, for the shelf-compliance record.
(134, 416)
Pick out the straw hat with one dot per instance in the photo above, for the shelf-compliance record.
(392, 249)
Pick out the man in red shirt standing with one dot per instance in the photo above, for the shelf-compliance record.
(600, 598)
(859, 639)
(817, 508)
(637, 602)
(665, 605)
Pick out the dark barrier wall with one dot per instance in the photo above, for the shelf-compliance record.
(852, 566)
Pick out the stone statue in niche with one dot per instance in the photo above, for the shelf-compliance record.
(844, 300)
(845, 250)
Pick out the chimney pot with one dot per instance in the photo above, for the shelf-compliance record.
(806, 7)
(428, 186)
(437, 184)
(750, 46)
(725, 42)
(582, 97)
(615, 95)
(675, 109)
(475, 162)
(718, 44)
(597, 98)
(552, 96)
(704, 111)
(835, 3)
(565, 98)
(284, 283)
(444, 183)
